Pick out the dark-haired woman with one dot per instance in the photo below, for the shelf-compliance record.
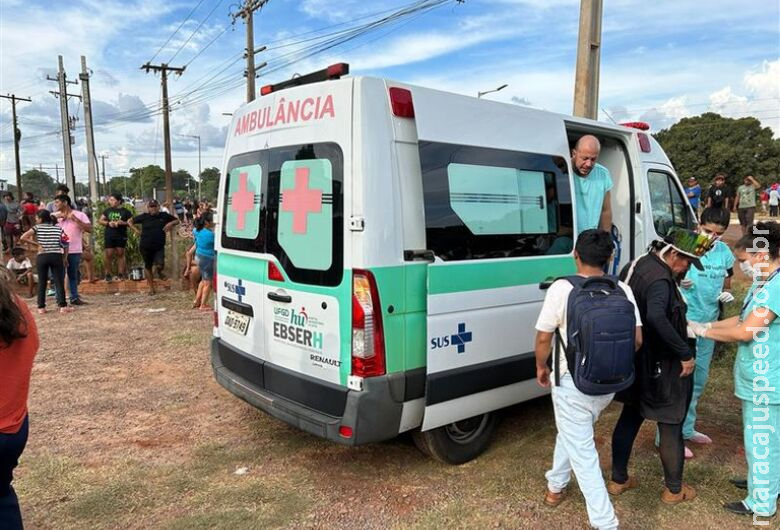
(704, 291)
(49, 238)
(204, 256)
(756, 330)
(18, 346)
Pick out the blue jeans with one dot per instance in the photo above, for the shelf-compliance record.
(72, 270)
(704, 348)
(11, 447)
(575, 450)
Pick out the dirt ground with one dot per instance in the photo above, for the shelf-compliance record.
(128, 429)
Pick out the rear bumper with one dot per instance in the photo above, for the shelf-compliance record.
(314, 406)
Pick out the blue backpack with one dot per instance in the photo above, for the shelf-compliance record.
(600, 332)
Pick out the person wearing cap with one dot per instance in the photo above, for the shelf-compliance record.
(745, 203)
(693, 192)
(592, 186)
(720, 195)
(154, 224)
(663, 386)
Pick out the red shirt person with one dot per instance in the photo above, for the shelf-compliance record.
(18, 346)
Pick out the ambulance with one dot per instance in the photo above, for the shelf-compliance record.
(383, 252)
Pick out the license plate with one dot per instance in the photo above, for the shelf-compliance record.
(237, 322)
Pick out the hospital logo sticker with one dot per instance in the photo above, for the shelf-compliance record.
(459, 339)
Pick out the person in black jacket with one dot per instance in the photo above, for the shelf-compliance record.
(663, 387)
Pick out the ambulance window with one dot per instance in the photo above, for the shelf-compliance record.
(485, 203)
(243, 204)
(517, 199)
(244, 191)
(305, 212)
(670, 209)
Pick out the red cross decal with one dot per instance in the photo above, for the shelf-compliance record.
(301, 200)
(242, 201)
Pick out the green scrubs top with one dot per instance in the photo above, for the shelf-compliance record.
(758, 360)
(702, 296)
(590, 192)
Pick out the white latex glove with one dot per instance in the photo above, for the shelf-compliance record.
(699, 329)
(686, 283)
(726, 297)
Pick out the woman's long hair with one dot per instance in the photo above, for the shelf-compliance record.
(12, 324)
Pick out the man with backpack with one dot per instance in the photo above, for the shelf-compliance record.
(593, 322)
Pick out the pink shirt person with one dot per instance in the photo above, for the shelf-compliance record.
(73, 230)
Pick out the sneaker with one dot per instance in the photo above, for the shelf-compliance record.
(616, 488)
(161, 275)
(741, 483)
(108, 277)
(699, 438)
(553, 499)
(50, 292)
(67, 309)
(78, 301)
(687, 493)
(688, 453)
(41, 310)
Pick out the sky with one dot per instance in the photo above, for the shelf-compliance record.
(660, 61)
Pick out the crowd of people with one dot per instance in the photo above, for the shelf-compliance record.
(46, 245)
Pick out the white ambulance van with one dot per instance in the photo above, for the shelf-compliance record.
(383, 252)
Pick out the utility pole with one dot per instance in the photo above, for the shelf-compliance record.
(17, 137)
(163, 69)
(246, 12)
(103, 163)
(91, 160)
(70, 177)
(199, 170)
(586, 81)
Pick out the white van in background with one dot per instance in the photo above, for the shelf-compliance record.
(383, 250)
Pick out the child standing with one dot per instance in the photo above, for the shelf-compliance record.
(704, 291)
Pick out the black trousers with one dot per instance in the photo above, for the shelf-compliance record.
(46, 263)
(672, 448)
(11, 447)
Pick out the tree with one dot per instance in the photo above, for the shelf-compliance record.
(704, 145)
(209, 183)
(39, 183)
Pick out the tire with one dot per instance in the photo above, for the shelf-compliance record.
(459, 442)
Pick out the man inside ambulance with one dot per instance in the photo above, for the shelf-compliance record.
(592, 183)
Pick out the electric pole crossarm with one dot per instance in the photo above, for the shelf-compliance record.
(246, 12)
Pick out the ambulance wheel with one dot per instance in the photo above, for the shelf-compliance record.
(458, 442)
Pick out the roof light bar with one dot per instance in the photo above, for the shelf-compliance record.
(334, 71)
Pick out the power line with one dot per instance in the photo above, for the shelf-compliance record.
(195, 31)
(175, 32)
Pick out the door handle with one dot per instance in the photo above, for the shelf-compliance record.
(285, 298)
(545, 284)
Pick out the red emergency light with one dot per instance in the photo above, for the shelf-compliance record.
(641, 125)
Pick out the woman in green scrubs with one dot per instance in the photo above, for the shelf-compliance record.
(757, 367)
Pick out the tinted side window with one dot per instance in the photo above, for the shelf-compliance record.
(485, 203)
(670, 208)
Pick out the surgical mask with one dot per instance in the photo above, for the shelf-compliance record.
(746, 268)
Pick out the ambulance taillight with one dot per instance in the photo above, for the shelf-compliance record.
(401, 102)
(368, 342)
